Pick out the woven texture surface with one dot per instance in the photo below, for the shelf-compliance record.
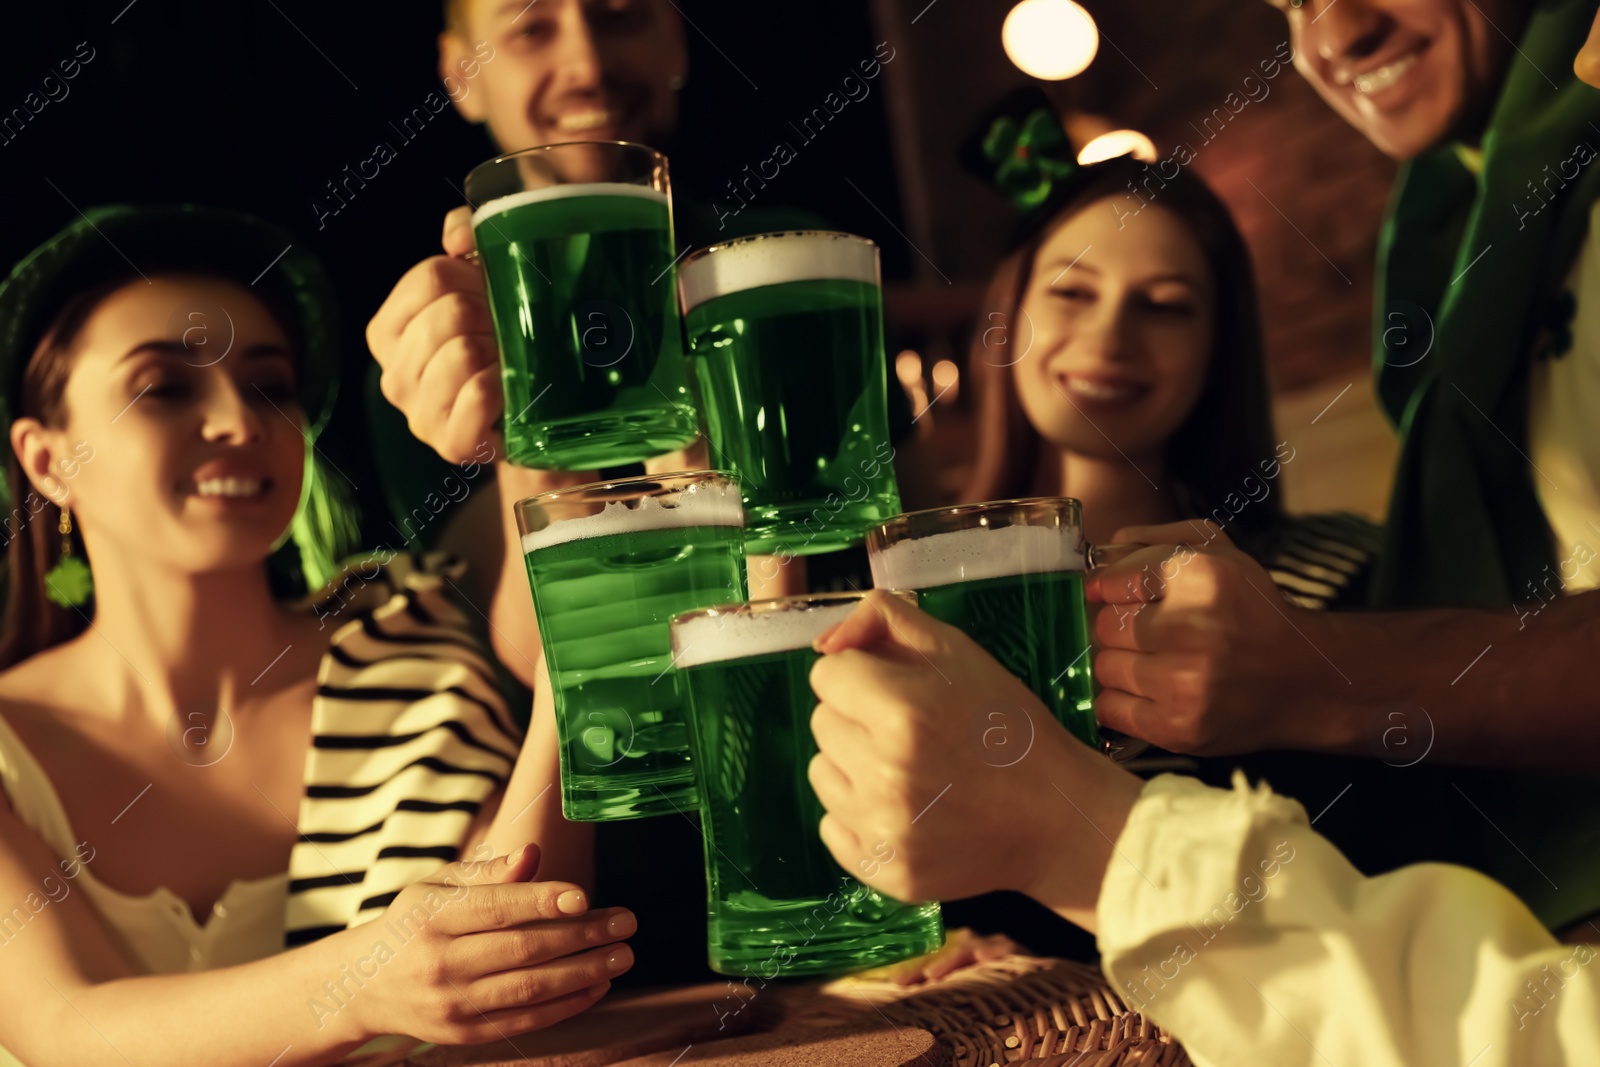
(1015, 1010)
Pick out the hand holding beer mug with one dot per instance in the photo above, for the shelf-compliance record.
(433, 338)
(777, 903)
(576, 245)
(1201, 654)
(1010, 574)
(898, 771)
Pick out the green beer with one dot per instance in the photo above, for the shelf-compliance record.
(777, 903)
(580, 290)
(786, 334)
(1009, 575)
(610, 566)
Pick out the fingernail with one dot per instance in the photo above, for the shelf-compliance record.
(571, 903)
(516, 857)
(601, 989)
(822, 638)
(620, 960)
(622, 925)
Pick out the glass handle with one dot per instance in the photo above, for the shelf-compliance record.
(1118, 746)
(1105, 555)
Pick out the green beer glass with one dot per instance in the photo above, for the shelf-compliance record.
(1009, 573)
(610, 565)
(786, 334)
(577, 250)
(777, 904)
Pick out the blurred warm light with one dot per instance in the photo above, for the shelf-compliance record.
(908, 368)
(1118, 143)
(946, 379)
(1050, 39)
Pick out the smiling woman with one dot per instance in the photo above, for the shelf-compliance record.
(256, 789)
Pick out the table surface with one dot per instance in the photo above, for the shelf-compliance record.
(1015, 1011)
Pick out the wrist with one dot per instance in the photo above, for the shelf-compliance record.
(351, 1022)
(1326, 705)
(1085, 801)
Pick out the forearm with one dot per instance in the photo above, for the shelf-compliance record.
(278, 1010)
(530, 810)
(515, 632)
(1228, 920)
(1508, 688)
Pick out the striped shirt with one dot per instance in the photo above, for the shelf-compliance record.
(1323, 561)
(410, 737)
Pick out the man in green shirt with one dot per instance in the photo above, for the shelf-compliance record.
(1487, 357)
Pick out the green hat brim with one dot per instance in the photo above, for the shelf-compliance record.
(122, 240)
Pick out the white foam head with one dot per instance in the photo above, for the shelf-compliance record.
(773, 258)
(975, 554)
(702, 504)
(742, 634)
(563, 192)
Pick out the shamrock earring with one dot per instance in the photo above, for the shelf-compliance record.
(69, 582)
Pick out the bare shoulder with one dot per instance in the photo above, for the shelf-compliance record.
(41, 680)
(32, 692)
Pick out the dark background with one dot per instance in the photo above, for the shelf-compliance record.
(258, 104)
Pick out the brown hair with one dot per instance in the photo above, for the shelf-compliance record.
(1226, 436)
(32, 621)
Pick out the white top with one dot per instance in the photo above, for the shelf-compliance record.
(1226, 918)
(410, 737)
(1563, 436)
(157, 930)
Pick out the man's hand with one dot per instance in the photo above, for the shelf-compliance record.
(1199, 653)
(434, 339)
(925, 799)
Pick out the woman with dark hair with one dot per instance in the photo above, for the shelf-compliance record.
(1118, 360)
(276, 790)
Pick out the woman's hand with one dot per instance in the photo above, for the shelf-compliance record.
(477, 953)
(925, 798)
(434, 339)
(962, 948)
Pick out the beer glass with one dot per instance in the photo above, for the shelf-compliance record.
(777, 903)
(786, 334)
(1010, 574)
(577, 250)
(610, 565)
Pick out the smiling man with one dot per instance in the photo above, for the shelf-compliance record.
(569, 70)
(1487, 358)
(536, 72)
(1409, 74)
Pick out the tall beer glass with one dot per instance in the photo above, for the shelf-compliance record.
(786, 334)
(610, 565)
(1010, 574)
(777, 903)
(577, 249)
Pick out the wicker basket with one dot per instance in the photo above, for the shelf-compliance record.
(1016, 1010)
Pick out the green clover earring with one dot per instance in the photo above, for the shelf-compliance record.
(69, 582)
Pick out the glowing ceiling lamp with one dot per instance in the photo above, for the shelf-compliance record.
(1050, 39)
(1118, 143)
